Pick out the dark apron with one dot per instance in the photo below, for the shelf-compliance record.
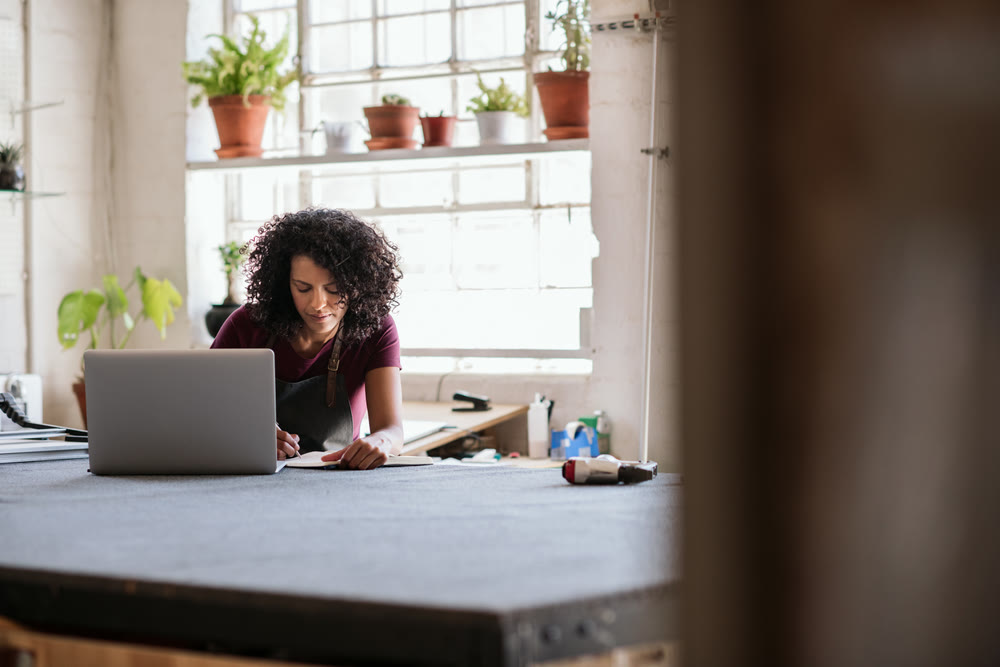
(311, 409)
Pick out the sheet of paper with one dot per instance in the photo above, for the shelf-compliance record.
(314, 460)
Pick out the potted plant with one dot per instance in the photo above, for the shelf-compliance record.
(11, 172)
(438, 130)
(232, 258)
(496, 110)
(565, 96)
(392, 123)
(105, 316)
(242, 84)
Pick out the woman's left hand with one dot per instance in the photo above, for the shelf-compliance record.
(359, 455)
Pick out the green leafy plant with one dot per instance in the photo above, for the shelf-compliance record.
(500, 98)
(11, 153)
(232, 259)
(573, 18)
(95, 311)
(250, 69)
(394, 99)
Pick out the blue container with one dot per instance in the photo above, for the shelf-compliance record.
(565, 446)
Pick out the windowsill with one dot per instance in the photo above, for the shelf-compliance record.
(464, 154)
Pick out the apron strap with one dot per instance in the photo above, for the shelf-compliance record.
(331, 372)
(331, 368)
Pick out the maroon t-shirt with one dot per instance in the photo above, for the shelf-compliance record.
(379, 351)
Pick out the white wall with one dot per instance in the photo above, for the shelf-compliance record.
(69, 235)
(149, 226)
(13, 336)
(67, 248)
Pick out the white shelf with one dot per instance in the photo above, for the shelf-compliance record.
(28, 194)
(442, 153)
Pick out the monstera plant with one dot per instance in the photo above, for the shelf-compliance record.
(104, 315)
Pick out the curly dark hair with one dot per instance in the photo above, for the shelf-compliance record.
(358, 256)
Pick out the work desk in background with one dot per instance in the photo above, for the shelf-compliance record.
(444, 564)
(507, 423)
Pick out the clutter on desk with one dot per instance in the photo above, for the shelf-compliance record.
(23, 440)
(479, 403)
(23, 451)
(577, 439)
(602, 426)
(606, 469)
(538, 427)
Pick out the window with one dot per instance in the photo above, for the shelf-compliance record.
(496, 255)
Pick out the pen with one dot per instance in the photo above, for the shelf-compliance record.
(278, 426)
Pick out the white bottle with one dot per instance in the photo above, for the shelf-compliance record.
(538, 428)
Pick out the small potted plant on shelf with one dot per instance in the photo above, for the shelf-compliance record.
(496, 111)
(242, 84)
(392, 123)
(104, 315)
(438, 130)
(11, 172)
(565, 96)
(232, 258)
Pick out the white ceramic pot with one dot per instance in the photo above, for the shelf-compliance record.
(340, 135)
(498, 127)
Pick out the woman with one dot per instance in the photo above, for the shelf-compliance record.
(321, 284)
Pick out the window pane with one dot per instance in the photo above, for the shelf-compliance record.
(504, 319)
(564, 179)
(549, 39)
(479, 3)
(274, 25)
(350, 192)
(428, 94)
(339, 48)
(388, 7)
(324, 11)
(566, 245)
(414, 40)
(432, 96)
(496, 249)
(425, 250)
(501, 184)
(431, 188)
(254, 5)
(491, 32)
(341, 103)
(263, 196)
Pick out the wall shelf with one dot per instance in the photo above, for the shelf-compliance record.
(21, 195)
(395, 156)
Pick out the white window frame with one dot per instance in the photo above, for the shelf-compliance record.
(532, 58)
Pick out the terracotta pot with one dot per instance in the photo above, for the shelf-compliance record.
(80, 389)
(565, 98)
(392, 120)
(438, 130)
(240, 128)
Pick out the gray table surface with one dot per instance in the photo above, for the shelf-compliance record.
(485, 538)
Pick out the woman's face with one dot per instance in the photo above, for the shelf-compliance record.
(315, 294)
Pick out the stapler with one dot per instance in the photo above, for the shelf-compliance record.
(479, 403)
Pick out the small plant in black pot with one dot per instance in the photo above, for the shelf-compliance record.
(11, 172)
(232, 258)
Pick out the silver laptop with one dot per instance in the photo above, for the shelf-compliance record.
(180, 412)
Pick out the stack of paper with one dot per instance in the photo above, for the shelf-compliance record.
(20, 451)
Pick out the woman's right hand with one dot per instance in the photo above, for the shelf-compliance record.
(288, 443)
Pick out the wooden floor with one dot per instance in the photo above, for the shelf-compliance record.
(21, 647)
